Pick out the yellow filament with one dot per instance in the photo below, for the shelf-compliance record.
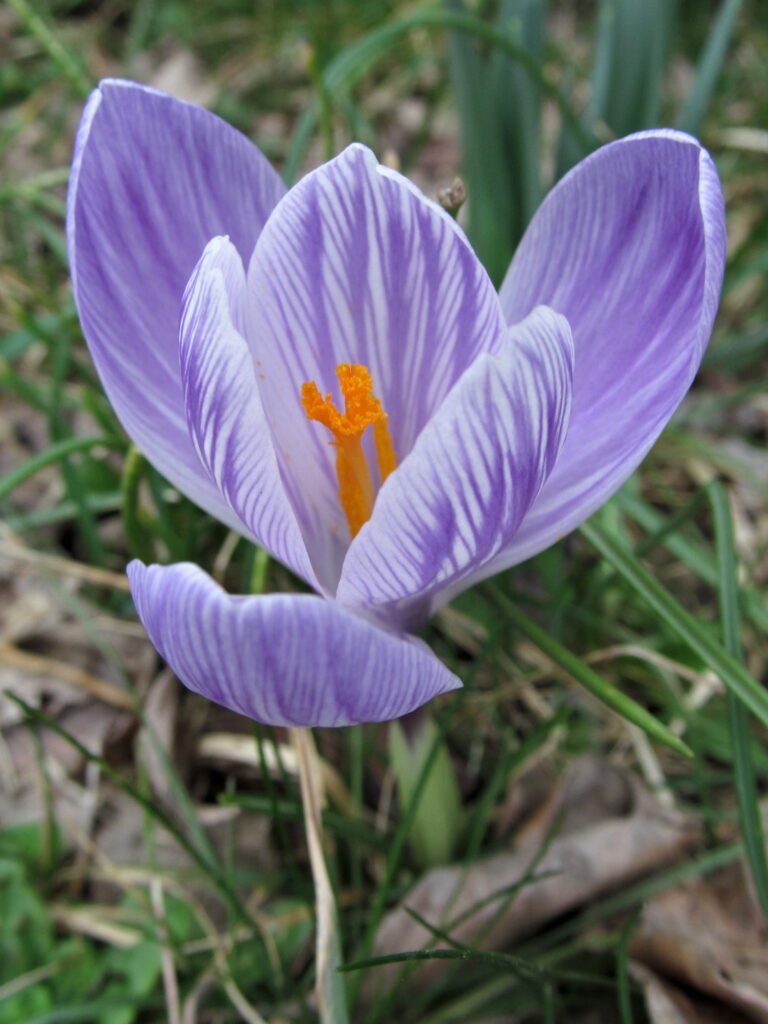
(361, 410)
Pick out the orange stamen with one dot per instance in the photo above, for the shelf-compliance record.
(361, 410)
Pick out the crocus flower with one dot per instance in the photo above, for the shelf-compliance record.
(339, 381)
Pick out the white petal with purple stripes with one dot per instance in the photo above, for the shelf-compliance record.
(224, 413)
(282, 659)
(356, 265)
(630, 247)
(460, 495)
(153, 179)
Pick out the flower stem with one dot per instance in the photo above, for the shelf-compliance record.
(329, 985)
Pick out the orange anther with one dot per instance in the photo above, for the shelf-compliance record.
(361, 410)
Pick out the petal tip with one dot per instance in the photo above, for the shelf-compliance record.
(125, 85)
(136, 570)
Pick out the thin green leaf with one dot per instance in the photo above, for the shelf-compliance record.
(95, 1010)
(437, 933)
(58, 451)
(710, 65)
(135, 528)
(485, 169)
(499, 113)
(399, 839)
(589, 679)
(276, 815)
(509, 762)
(517, 98)
(694, 555)
(630, 57)
(743, 766)
(733, 675)
(201, 857)
(356, 60)
(673, 523)
(504, 961)
(74, 484)
(63, 512)
(67, 63)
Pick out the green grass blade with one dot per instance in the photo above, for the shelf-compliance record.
(512, 757)
(485, 170)
(397, 845)
(684, 514)
(586, 676)
(692, 632)
(710, 64)
(140, 539)
(630, 58)
(502, 961)
(58, 451)
(197, 846)
(517, 106)
(727, 568)
(276, 815)
(64, 512)
(499, 114)
(66, 62)
(744, 769)
(357, 59)
(96, 1010)
(694, 555)
(76, 487)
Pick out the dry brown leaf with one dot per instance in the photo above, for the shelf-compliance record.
(14, 552)
(618, 834)
(181, 75)
(155, 739)
(666, 1004)
(96, 922)
(25, 787)
(593, 791)
(55, 676)
(708, 940)
(122, 832)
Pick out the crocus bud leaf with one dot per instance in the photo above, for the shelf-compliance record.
(424, 773)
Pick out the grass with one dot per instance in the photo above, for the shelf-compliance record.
(143, 879)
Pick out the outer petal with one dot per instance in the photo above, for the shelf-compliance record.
(283, 659)
(461, 494)
(356, 265)
(153, 180)
(630, 247)
(224, 413)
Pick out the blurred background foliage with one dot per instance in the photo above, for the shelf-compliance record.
(145, 878)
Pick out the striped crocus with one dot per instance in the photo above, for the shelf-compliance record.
(329, 371)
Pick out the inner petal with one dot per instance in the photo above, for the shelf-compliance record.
(355, 265)
(460, 494)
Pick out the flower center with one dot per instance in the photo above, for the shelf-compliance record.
(361, 410)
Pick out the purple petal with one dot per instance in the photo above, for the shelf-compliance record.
(282, 659)
(461, 494)
(153, 180)
(356, 265)
(224, 412)
(629, 247)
